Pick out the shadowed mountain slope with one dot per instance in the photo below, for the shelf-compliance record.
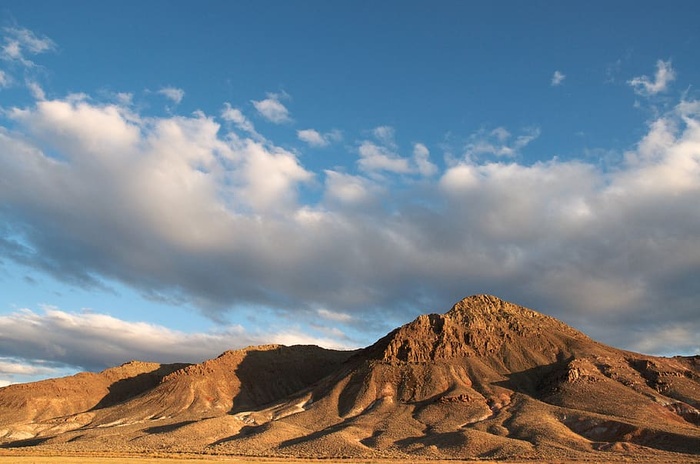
(487, 379)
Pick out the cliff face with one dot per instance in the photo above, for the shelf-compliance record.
(487, 379)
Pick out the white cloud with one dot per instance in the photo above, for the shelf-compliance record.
(375, 157)
(459, 178)
(269, 178)
(237, 117)
(558, 78)
(36, 90)
(173, 94)
(382, 155)
(498, 142)
(665, 74)
(348, 189)
(19, 43)
(421, 156)
(298, 337)
(334, 316)
(272, 109)
(145, 165)
(315, 139)
(312, 137)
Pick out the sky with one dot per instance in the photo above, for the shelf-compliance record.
(180, 178)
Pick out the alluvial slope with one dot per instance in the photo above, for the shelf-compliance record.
(486, 379)
(29, 409)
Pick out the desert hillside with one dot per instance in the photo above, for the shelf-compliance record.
(487, 379)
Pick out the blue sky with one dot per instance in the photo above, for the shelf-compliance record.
(180, 178)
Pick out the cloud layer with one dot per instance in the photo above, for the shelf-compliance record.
(35, 344)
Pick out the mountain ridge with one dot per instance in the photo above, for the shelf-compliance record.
(486, 379)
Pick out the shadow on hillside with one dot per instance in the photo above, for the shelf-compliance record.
(126, 389)
(24, 443)
(315, 435)
(535, 381)
(245, 431)
(168, 428)
(268, 376)
(251, 430)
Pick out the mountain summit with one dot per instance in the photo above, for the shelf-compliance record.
(478, 326)
(487, 379)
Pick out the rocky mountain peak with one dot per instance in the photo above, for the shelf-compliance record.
(479, 325)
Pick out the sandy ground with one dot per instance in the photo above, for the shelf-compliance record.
(31, 458)
(22, 458)
(25, 458)
(179, 460)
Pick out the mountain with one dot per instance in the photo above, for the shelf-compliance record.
(487, 379)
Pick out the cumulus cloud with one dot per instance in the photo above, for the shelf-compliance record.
(19, 43)
(381, 155)
(272, 108)
(374, 157)
(315, 139)
(271, 177)
(645, 86)
(173, 94)
(557, 78)
(181, 208)
(312, 137)
(4, 79)
(122, 171)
